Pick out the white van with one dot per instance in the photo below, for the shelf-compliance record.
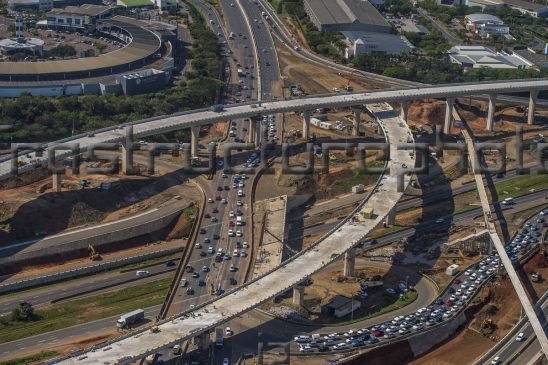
(142, 273)
(508, 201)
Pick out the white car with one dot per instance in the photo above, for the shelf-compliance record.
(225, 361)
(239, 203)
(245, 245)
(228, 331)
(496, 361)
(240, 193)
(230, 233)
(142, 272)
(239, 234)
(520, 337)
(223, 201)
(231, 214)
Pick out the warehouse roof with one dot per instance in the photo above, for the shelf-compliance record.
(479, 17)
(143, 44)
(346, 11)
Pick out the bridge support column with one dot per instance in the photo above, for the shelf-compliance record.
(195, 133)
(533, 94)
(404, 110)
(349, 263)
(298, 295)
(449, 104)
(391, 217)
(258, 133)
(491, 112)
(56, 183)
(357, 111)
(202, 341)
(251, 134)
(127, 152)
(306, 123)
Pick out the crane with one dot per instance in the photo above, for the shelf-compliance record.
(348, 87)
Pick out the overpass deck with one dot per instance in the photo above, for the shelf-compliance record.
(183, 120)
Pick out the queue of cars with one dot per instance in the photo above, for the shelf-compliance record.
(461, 290)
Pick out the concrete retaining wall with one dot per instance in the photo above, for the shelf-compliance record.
(80, 239)
(423, 342)
(92, 269)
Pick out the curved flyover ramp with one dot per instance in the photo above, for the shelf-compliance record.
(215, 312)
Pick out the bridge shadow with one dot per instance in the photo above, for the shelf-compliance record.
(52, 213)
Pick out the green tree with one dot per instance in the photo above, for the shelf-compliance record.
(101, 47)
(63, 50)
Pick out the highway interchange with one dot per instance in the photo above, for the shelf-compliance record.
(269, 76)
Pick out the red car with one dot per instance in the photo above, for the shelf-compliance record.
(456, 281)
(377, 333)
(449, 303)
(218, 197)
(231, 224)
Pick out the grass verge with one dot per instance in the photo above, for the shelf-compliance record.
(84, 310)
(44, 355)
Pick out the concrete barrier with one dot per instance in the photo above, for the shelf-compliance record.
(86, 270)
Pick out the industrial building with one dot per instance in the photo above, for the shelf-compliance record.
(528, 8)
(84, 16)
(340, 306)
(160, 4)
(540, 60)
(370, 42)
(479, 56)
(486, 25)
(346, 15)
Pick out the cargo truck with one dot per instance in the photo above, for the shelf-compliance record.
(130, 318)
(219, 337)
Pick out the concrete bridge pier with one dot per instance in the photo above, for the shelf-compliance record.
(449, 104)
(357, 111)
(298, 295)
(533, 94)
(404, 110)
(349, 263)
(127, 152)
(306, 123)
(202, 341)
(251, 131)
(195, 133)
(391, 217)
(258, 130)
(56, 183)
(491, 112)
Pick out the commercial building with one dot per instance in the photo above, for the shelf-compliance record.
(84, 16)
(340, 306)
(160, 4)
(346, 15)
(529, 8)
(479, 56)
(486, 25)
(369, 42)
(485, 4)
(21, 5)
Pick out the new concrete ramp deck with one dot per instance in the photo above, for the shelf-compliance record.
(326, 250)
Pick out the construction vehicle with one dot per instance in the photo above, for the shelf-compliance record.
(536, 277)
(154, 329)
(348, 86)
(93, 255)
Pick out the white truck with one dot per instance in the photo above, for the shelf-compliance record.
(130, 318)
(239, 221)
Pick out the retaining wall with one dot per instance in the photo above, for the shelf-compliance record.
(92, 269)
(80, 239)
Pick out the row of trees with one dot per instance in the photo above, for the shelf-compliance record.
(39, 118)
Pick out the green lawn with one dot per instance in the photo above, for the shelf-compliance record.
(84, 310)
(521, 185)
(135, 3)
(44, 355)
(345, 185)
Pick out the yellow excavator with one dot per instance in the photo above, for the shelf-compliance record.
(93, 255)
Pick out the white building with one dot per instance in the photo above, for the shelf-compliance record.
(369, 42)
(83, 16)
(479, 56)
(486, 25)
(485, 4)
(41, 5)
(528, 8)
